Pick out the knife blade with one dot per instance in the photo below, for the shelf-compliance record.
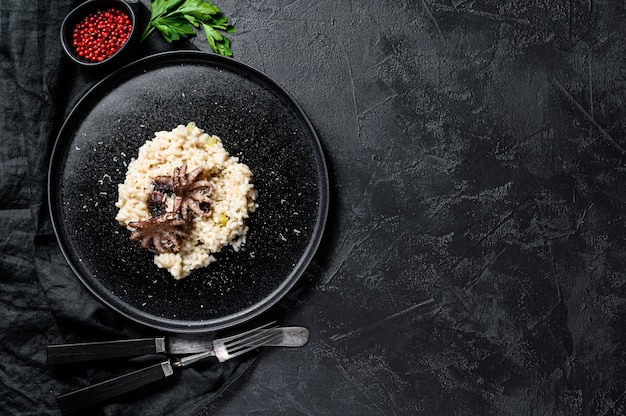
(291, 336)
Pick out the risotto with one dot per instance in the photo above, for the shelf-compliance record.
(232, 195)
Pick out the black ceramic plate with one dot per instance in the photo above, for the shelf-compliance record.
(257, 121)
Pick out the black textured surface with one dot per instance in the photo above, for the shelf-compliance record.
(257, 122)
(473, 263)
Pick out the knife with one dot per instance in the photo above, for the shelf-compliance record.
(175, 344)
(223, 349)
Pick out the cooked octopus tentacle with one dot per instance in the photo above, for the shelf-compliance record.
(194, 193)
(156, 203)
(164, 231)
(161, 234)
(163, 184)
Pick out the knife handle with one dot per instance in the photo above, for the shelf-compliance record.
(91, 351)
(80, 399)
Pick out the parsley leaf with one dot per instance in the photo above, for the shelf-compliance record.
(173, 27)
(176, 19)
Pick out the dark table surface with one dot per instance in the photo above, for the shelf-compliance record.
(473, 260)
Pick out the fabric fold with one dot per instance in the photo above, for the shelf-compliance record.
(41, 300)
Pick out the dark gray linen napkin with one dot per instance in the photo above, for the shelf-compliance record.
(41, 300)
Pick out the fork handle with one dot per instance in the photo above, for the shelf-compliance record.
(80, 399)
(91, 351)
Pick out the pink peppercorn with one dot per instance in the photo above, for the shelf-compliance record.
(100, 34)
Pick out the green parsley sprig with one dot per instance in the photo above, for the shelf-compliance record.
(176, 19)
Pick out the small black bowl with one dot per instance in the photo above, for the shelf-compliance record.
(98, 6)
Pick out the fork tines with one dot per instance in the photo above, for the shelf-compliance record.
(229, 347)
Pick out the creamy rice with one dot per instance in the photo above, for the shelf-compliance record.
(233, 196)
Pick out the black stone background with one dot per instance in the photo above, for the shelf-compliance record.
(473, 260)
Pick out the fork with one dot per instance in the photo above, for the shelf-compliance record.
(223, 349)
